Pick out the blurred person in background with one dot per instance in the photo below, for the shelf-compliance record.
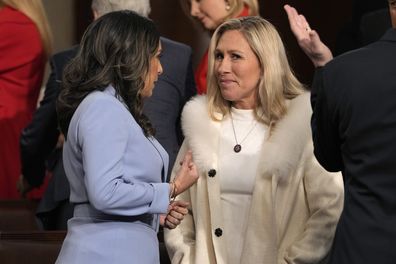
(210, 14)
(25, 45)
(362, 27)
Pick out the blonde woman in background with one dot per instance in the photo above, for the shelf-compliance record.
(261, 197)
(210, 14)
(25, 45)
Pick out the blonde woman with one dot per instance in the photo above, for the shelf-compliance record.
(25, 45)
(261, 196)
(211, 13)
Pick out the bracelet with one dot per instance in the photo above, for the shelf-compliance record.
(172, 192)
(175, 190)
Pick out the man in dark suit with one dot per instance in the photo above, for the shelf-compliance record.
(38, 141)
(354, 131)
(41, 150)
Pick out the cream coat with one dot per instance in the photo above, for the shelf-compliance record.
(295, 204)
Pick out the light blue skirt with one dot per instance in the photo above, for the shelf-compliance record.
(93, 240)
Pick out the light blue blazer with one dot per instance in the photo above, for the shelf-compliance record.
(113, 170)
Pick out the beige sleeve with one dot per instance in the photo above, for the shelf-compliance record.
(325, 197)
(180, 242)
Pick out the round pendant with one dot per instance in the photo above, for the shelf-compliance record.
(237, 148)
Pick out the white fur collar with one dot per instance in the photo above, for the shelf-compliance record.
(281, 152)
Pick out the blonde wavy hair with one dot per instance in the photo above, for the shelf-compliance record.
(34, 9)
(277, 84)
(236, 6)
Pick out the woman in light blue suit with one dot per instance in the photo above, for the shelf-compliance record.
(115, 167)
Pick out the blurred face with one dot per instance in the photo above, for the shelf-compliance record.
(392, 10)
(155, 69)
(237, 70)
(211, 13)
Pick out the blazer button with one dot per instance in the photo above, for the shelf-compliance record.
(218, 232)
(212, 173)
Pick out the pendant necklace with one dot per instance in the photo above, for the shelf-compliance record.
(238, 146)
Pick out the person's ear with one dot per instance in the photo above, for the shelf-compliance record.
(392, 11)
(228, 6)
(95, 14)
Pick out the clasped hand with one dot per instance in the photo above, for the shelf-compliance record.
(176, 212)
(186, 176)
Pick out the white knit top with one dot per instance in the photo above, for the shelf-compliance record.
(237, 175)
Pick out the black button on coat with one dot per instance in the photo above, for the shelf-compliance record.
(218, 232)
(212, 173)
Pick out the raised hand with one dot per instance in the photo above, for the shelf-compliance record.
(308, 39)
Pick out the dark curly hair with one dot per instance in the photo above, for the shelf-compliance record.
(116, 49)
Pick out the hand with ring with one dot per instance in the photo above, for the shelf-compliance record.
(307, 38)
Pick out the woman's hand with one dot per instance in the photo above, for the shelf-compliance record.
(307, 38)
(23, 186)
(176, 213)
(186, 176)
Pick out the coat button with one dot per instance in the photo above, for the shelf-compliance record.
(218, 232)
(212, 173)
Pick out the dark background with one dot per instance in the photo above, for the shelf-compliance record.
(336, 21)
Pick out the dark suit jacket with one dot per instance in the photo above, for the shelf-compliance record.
(38, 140)
(354, 130)
(373, 25)
(174, 87)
